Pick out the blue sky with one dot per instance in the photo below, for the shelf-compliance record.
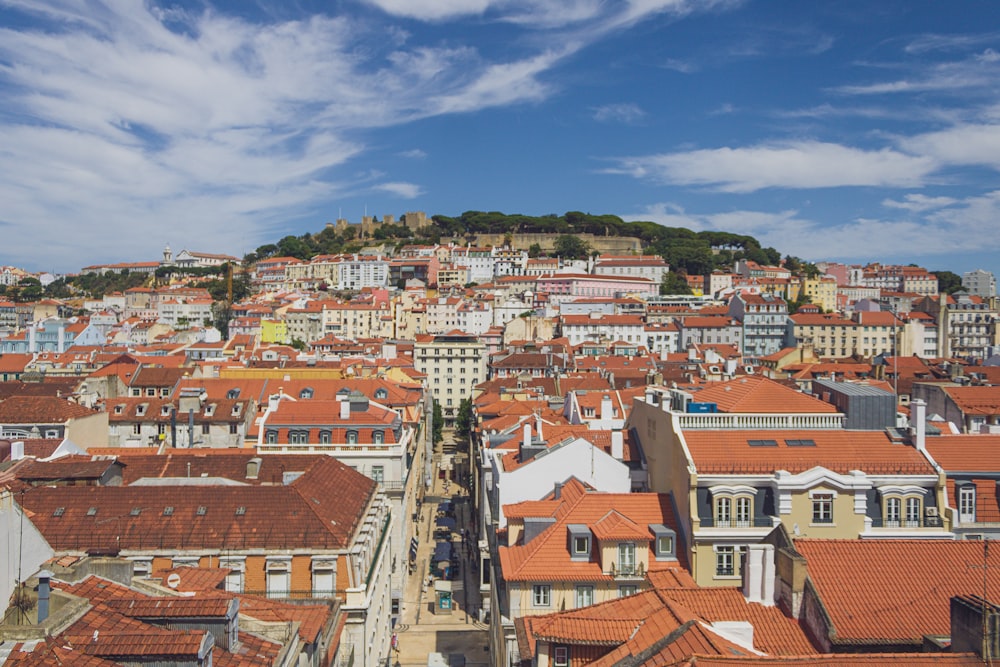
(850, 131)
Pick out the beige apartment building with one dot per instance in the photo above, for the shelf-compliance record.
(454, 363)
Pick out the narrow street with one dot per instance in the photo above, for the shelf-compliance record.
(427, 626)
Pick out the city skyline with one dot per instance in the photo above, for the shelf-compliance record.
(841, 132)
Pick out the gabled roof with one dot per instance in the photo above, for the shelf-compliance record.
(321, 508)
(546, 557)
(895, 591)
(755, 394)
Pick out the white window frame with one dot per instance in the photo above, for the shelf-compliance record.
(541, 595)
(967, 504)
(584, 596)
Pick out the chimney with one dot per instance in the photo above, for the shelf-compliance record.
(606, 412)
(538, 427)
(758, 574)
(44, 595)
(17, 450)
(557, 491)
(618, 445)
(918, 422)
(253, 467)
(975, 626)
(345, 409)
(527, 435)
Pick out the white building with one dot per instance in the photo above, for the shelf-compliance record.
(454, 363)
(980, 282)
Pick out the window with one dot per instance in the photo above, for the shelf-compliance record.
(626, 557)
(234, 428)
(725, 561)
(352, 437)
(584, 596)
(967, 504)
(378, 437)
(541, 595)
(913, 507)
(234, 580)
(137, 429)
(664, 545)
(822, 508)
(324, 437)
(278, 579)
(298, 437)
(581, 545)
(323, 572)
(893, 507)
(271, 437)
(723, 511)
(378, 473)
(560, 656)
(744, 511)
(626, 590)
(206, 429)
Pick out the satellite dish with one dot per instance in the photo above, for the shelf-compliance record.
(174, 580)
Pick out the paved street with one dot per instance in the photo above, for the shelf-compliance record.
(422, 631)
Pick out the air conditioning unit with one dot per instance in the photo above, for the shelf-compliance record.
(931, 511)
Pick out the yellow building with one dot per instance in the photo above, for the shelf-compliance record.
(821, 291)
(274, 331)
(770, 455)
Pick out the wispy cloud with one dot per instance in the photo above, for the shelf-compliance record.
(415, 154)
(929, 229)
(804, 164)
(401, 190)
(619, 113)
(212, 130)
(916, 203)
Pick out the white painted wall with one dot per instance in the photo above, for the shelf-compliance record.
(23, 547)
(538, 477)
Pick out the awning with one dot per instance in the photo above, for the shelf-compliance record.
(442, 551)
(445, 522)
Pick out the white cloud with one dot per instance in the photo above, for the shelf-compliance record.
(916, 203)
(205, 128)
(960, 145)
(415, 154)
(401, 190)
(805, 164)
(931, 227)
(619, 113)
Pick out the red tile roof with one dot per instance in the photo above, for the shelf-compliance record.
(895, 591)
(754, 394)
(730, 452)
(966, 453)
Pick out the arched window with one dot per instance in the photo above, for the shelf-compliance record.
(378, 437)
(352, 437)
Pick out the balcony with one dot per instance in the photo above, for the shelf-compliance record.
(745, 421)
(634, 571)
(755, 522)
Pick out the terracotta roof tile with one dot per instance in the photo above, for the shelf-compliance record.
(724, 452)
(899, 589)
(756, 394)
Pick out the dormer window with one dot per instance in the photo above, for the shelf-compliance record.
(165, 411)
(271, 437)
(140, 410)
(580, 542)
(210, 409)
(381, 393)
(378, 437)
(324, 437)
(306, 393)
(119, 409)
(352, 437)
(966, 503)
(664, 542)
(232, 394)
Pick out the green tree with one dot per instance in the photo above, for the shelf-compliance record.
(437, 424)
(569, 246)
(674, 283)
(534, 250)
(948, 282)
(463, 420)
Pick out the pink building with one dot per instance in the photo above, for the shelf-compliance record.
(585, 285)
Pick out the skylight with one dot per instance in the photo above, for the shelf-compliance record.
(800, 443)
(762, 443)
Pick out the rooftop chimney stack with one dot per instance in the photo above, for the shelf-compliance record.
(919, 423)
(44, 594)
